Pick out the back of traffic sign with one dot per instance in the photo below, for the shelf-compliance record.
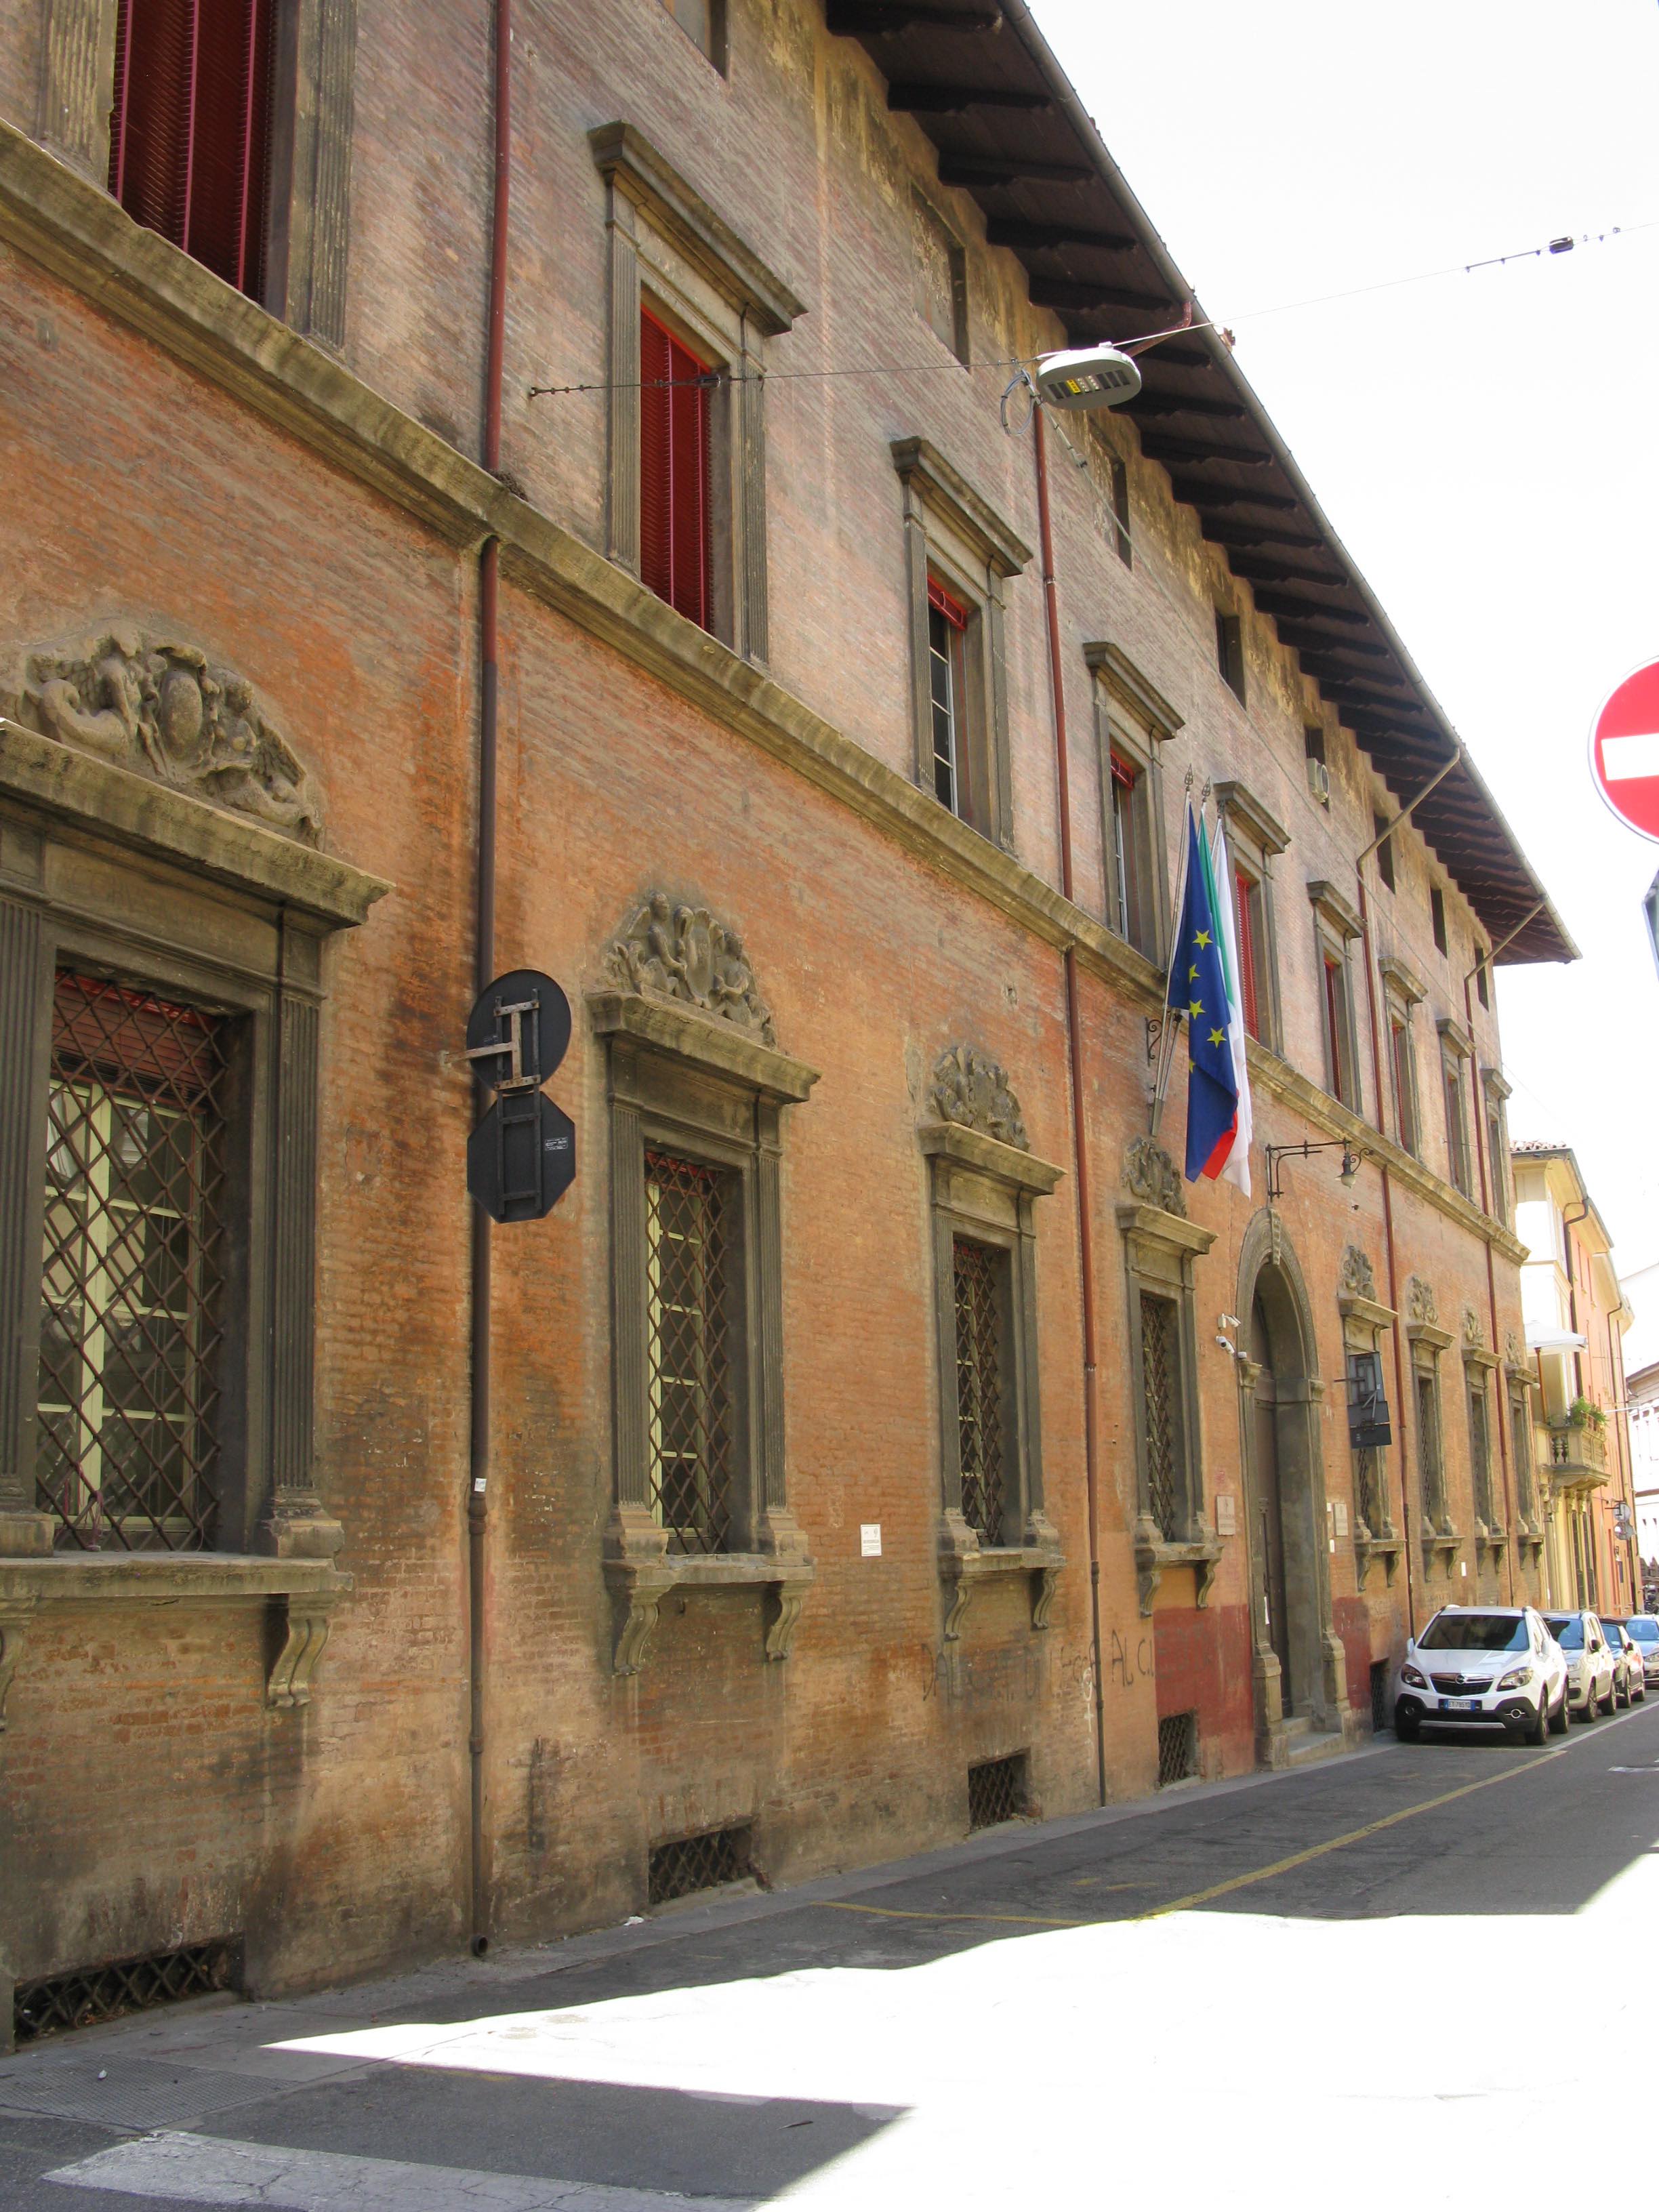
(1625, 752)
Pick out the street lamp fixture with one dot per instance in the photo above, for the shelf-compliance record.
(1278, 1153)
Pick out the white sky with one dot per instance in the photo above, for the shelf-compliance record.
(1484, 444)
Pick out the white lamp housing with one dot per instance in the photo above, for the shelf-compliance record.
(1090, 376)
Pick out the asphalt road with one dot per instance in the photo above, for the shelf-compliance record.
(1397, 1978)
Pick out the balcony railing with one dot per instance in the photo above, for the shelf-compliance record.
(1578, 1453)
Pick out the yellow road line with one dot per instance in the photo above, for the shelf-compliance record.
(1197, 1897)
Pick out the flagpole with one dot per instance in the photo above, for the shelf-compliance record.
(1169, 1020)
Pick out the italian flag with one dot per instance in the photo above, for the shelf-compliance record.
(1230, 1162)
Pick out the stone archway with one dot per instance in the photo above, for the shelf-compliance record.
(1301, 1678)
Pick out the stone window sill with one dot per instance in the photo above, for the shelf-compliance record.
(640, 1584)
(964, 1562)
(1154, 1557)
(307, 1590)
(1368, 1549)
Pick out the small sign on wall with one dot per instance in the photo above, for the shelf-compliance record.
(870, 1540)
(1226, 1514)
(1340, 1505)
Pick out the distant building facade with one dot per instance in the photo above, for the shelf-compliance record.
(880, 1436)
(1576, 1316)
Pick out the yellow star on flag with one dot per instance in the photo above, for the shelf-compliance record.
(1191, 973)
(1217, 1036)
(1194, 1010)
(1202, 938)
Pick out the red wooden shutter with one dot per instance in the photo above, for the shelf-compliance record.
(674, 481)
(952, 609)
(1333, 1028)
(1247, 952)
(190, 127)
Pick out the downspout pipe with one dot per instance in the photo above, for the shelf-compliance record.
(477, 1500)
(1086, 1235)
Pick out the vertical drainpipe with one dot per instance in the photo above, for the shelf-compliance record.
(1486, 1185)
(1085, 1237)
(477, 1501)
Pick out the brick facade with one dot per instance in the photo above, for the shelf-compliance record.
(181, 461)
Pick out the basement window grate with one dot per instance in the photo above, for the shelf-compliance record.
(1381, 1716)
(92, 1994)
(996, 1791)
(1177, 1749)
(690, 1863)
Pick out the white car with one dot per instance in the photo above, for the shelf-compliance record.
(1486, 1667)
(1630, 1677)
(1592, 1670)
(1644, 1635)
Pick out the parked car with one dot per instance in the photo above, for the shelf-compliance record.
(1591, 1669)
(1645, 1633)
(1494, 1667)
(1630, 1676)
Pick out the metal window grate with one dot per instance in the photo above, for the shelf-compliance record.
(980, 1272)
(1368, 1484)
(1381, 1716)
(1480, 1456)
(1157, 1372)
(1177, 1749)
(690, 1864)
(997, 1791)
(687, 1372)
(132, 1278)
(92, 1994)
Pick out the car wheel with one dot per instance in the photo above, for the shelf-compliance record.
(1622, 1696)
(1589, 1713)
(1408, 1728)
(1539, 1729)
(1560, 1717)
(1641, 1695)
(1611, 1699)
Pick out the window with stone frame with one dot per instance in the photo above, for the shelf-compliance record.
(1133, 722)
(692, 306)
(158, 1084)
(698, 1092)
(1336, 927)
(142, 1289)
(1402, 992)
(1454, 1059)
(1426, 1385)
(960, 554)
(1161, 1248)
(695, 1331)
(226, 128)
(1480, 1450)
(1496, 1093)
(703, 22)
(941, 276)
(1255, 842)
(984, 1186)
(986, 1393)
(1521, 1448)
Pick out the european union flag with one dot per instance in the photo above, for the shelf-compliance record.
(1197, 989)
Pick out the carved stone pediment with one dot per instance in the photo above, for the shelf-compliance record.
(1150, 1175)
(670, 951)
(971, 1089)
(150, 703)
(1419, 1302)
(1357, 1279)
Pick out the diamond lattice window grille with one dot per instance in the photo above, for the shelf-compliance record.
(981, 1274)
(1368, 1484)
(1157, 1368)
(132, 1280)
(690, 1864)
(997, 1791)
(689, 1264)
(91, 1994)
(1177, 1749)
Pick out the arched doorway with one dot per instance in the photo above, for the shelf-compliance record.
(1300, 1678)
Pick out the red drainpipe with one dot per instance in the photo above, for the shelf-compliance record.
(1085, 1233)
(478, 1505)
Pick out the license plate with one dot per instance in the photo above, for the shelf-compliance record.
(1459, 1705)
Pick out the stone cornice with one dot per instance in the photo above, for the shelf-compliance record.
(78, 232)
(951, 495)
(1122, 681)
(988, 1156)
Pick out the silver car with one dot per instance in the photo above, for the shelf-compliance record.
(1630, 1680)
(1644, 1634)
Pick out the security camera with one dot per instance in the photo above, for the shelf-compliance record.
(1086, 378)
(1227, 1321)
(1227, 1347)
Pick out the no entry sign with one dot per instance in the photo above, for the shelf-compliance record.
(1625, 752)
